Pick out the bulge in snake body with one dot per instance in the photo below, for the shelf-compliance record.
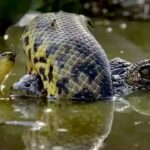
(60, 48)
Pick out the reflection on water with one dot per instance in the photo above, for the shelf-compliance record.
(72, 127)
(131, 124)
(63, 125)
(140, 102)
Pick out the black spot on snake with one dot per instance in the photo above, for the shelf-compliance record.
(42, 70)
(86, 68)
(52, 49)
(84, 94)
(29, 54)
(26, 40)
(42, 59)
(50, 74)
(62, 85)
(35, 60)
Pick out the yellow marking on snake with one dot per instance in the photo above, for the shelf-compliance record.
(70, 50)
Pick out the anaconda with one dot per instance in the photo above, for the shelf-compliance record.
(126, 78)
(65, 57)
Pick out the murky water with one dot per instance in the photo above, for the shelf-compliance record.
(35, 124)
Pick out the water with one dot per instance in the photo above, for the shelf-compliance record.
(35, 124)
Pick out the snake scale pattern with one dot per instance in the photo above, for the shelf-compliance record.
(62, 51)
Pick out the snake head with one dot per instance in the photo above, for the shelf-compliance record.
(29, 85)
(139, 75)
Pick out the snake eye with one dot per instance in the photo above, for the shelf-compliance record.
(145, 72)
(27, 85)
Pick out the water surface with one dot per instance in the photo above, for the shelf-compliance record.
(35, 124)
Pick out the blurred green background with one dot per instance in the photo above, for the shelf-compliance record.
(12, 10)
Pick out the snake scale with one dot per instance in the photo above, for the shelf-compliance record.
(62, 51)
(64, 59)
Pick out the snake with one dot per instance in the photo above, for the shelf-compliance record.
(64, 59)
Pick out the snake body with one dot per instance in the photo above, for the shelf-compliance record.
(63, 58)
(62, 51)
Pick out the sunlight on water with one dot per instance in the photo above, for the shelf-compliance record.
(37, 125)
(121, 105)
(48, 110)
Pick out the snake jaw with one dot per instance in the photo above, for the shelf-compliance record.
(29, 85)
